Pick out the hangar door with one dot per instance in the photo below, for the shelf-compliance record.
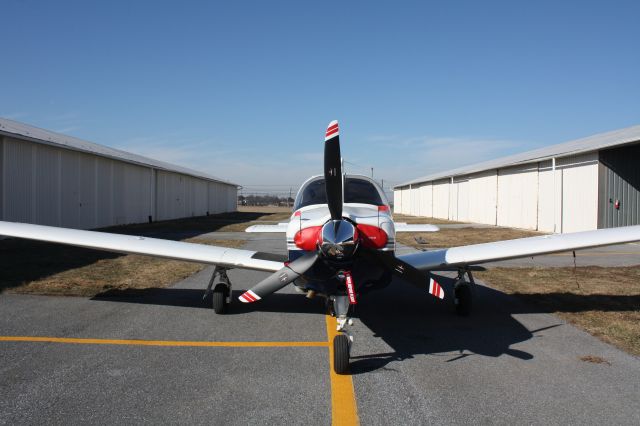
(619, 181)
(518, 196)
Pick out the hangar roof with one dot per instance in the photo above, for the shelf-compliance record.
(578, 146)
(35, 134)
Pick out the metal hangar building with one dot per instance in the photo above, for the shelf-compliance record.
(580, 185)
(52, 179)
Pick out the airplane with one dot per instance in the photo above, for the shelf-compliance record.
(341, 245)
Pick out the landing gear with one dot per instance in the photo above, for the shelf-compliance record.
(221, 291)
(342, 342)
(220, 299)
(341, 353)
(462, 293)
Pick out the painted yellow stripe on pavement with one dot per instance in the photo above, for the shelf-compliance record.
(81, 341)
(344, 410)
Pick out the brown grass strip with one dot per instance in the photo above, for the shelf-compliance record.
(603, 301)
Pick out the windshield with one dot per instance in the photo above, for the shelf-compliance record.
(355, 191)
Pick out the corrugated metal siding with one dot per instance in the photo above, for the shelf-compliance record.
(549, 197)
(46, 193)
(579, 192)
(406, 201)
(415, 200)
(526, 196)
(70, 193)
(1, 178)
(619, 180)
(136, 193)
(483, 193)
(233, 198)
(214, 202)
(518, 196)
(104, 195)
(200, 194)
(397, 200)
(60, 187)
(18, 181)
(441, 199)
(170, 195)
(460, 199)
(426, 200)
(87, 186)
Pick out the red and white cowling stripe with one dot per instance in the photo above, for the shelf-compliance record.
(332, 130)
(435, 289)
(249, 297)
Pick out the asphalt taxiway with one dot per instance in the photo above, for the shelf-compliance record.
(162, 356)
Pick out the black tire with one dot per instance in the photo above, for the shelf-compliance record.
(464, 299)
(220, 299)
(341, 354)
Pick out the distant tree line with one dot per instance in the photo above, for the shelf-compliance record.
(264, 200)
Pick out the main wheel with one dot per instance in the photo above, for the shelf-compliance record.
(220, 298)
(463, 299)
(341, 354)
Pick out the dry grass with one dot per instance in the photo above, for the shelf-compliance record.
(452, 237)
(73, 271)
(594, 359)
(418, 219)
(41, 268)
(603, 301)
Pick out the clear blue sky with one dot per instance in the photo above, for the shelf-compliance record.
(244, 90)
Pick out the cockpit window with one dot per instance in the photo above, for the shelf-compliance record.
(355, 191)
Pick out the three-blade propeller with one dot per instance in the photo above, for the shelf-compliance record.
(334, 188)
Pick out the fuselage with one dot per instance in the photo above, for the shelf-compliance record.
(366, 207)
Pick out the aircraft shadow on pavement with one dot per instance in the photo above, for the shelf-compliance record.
(192, 298)
(414, 323)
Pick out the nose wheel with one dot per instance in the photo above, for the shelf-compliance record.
(341, 354)
(342, 342)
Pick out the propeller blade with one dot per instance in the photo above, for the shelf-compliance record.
(333, 170)
(279, 279)
(410, 274)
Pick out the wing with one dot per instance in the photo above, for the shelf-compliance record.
(200, 253)
(406, 227)
(523, 247)
(281, 227)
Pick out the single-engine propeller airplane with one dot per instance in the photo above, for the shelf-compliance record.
(341, 244)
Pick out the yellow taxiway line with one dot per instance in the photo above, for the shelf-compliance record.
(343, 402)
(344, 410)
(160, 342)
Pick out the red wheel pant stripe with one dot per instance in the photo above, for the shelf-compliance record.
(247, 296)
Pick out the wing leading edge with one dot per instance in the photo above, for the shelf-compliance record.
(178, 250)
(522, 247)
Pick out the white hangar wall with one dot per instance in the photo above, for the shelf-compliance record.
(52, 185)
(528, 196)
